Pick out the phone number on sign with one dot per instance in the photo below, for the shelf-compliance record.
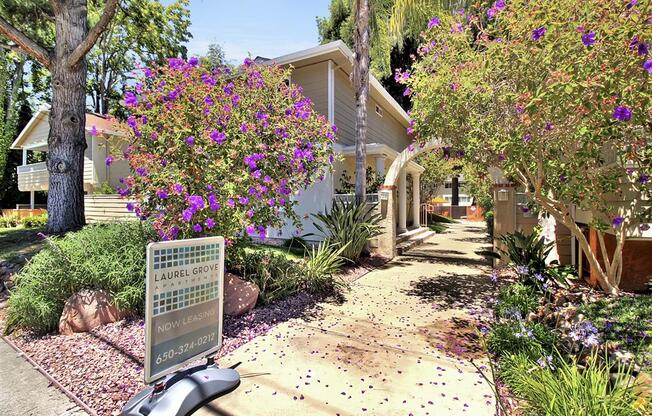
(185, 348)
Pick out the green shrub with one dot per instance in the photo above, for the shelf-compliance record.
(105, 189)
(440, 218)
(489, 220)
(9, 221)
(322, 264)
(516, 299)
(276, 276)
(566, 389)
(107, 256)
(38, 221)
(350, 225)
(437, 227)
(533, 339)
(526, 250)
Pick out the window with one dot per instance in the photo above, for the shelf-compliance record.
(379, 110)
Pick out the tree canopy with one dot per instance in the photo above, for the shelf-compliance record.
(557, 94)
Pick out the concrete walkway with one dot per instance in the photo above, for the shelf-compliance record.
(25, 391)
(401, 343)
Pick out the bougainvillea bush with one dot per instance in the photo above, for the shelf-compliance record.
(221, 152)
(555, 93)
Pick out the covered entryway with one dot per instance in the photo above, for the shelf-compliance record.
(394, 200)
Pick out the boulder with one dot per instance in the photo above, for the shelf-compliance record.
(88, 309)
(239, 296)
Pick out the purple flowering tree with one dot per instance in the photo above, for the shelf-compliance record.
(558, 95)
(217, 152)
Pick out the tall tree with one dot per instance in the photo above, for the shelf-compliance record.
(66, 140)
(143, 31)
(361, 86)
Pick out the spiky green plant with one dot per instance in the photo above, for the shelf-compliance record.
(349, 225)
(323, 263)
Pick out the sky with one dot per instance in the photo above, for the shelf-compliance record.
(268, 28)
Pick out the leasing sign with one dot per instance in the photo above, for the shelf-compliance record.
(184, 303)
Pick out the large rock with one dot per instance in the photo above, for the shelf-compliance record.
(239, 296)
(88, 309)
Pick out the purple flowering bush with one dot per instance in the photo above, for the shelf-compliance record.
(557, 94)
(219, 152)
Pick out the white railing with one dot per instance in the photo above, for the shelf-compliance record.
(33, 168)
(349, 198)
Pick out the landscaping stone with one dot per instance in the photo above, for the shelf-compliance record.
(88, 309)
(239, 296)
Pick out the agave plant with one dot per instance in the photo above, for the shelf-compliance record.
(349, 225)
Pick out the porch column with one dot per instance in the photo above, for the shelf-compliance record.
(380, 165)
(24, 156)
(402, 202)
(416, 199)
(31, 199)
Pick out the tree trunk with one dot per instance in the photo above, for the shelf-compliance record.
(361, 84)
(67, 139)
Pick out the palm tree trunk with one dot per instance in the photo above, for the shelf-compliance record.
(361, 85)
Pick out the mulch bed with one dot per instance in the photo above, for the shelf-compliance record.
(104, 367)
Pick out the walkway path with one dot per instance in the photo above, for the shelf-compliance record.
(401, 344)
(26, 392)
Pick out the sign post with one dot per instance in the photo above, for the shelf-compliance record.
(183, 323)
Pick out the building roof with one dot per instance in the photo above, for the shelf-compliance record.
(102, 124)
(339, 53)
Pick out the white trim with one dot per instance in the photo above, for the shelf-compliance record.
(28, 128)
(331, 92)
(340, 46)
(375, 149)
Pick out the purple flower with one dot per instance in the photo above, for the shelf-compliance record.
(492, 12)
(433, 22)
(622, 113)
(197, 228)
(108, 161)
(643, 49)
(244, 128)
(148, 72)
(193, 61)
(212, 202)
(522, 270)
(588, 39)
(617, 221)
(190, 140)
(500, 4)
(141, 171)
(643, 178)
(131, 122)
(494, 276)
(162, 194)
(130, 99)
(243, 200)
(644, 227)
(178, 188)
(196, 203)
(527, 138)
(632, 3)
(228, 88)
(538, 33)
(251, 230)
(230, 202)
(210, 223)
(549, 126)
(130, 206)
(93, 131)
(647, 65)
(208, 101)
(217, 136)
(186, 215)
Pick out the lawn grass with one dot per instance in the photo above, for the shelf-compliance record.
(293, 254)
(19, 244)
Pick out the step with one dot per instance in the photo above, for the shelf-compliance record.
(414, 241)
(411, 234)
